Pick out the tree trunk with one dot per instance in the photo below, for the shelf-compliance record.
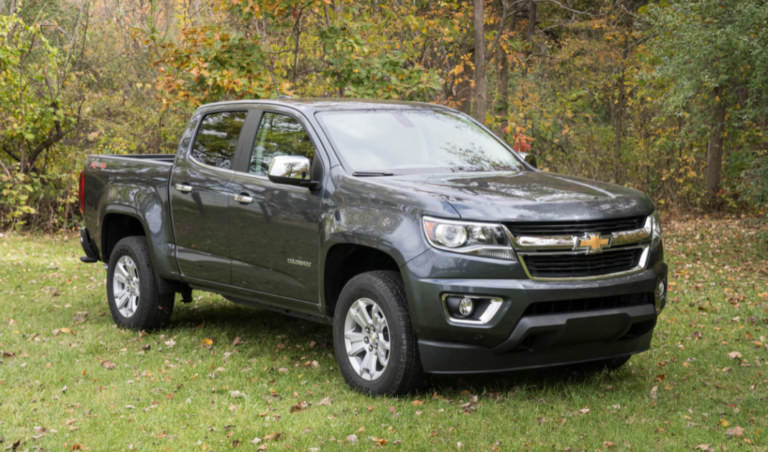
(715, 148)
(618, 124)
(532, 19)
(503, 88)
(480, 91)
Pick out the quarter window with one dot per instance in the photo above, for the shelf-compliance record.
(278, 135)
(216, 138)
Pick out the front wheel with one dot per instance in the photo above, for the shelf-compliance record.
(375, 346)
(134, 299)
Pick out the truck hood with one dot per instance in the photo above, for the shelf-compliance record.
(526, 196)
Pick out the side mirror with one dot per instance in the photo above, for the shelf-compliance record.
(529, 159)
(291, 170)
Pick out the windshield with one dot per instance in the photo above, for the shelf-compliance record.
(411, 141)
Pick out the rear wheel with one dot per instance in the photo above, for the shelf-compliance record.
(375, 346)
(134, 299)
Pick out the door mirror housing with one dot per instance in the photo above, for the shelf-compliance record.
(291, 170)
(529, 158)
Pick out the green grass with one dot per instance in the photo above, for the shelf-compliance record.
(159, 397)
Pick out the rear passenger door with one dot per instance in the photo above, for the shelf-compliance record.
(274, 236)
(200, 193)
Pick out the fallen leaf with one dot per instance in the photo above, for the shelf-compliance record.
(609, 444)
(653, 392)
(256, 440)
(273, 436)
(81, 317)
(660, 377)
(702, 447)
(584, 410)
(417, 402)
(737, 431)
(108, 364)
(207, 343)
(170, 343)
(298, 407)
(325, 401)
(238, 341)
(352, 438)
(77, 447)
(734, 355)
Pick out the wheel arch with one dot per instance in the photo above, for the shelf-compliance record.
(118, 223)
(344, 261)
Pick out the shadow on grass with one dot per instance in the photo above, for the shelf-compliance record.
(262, 328)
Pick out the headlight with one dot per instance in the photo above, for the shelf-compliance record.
(656, 228)
(479, 239)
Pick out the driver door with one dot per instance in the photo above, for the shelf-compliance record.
(274, 228)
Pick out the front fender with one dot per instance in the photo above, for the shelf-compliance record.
(359, 212)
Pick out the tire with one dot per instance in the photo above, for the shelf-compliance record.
(403, 372)
(151, 309)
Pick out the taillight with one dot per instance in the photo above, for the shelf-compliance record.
(82, 192)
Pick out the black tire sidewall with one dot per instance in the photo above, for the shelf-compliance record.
(132, 247)
(361, 287)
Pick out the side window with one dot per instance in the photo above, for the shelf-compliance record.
(278, 135)
(217, 138)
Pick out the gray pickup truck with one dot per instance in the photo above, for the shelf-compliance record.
(429, 244)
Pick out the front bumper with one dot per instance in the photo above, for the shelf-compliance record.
(515, 338)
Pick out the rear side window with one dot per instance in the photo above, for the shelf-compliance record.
(278, 135)
(216, 138)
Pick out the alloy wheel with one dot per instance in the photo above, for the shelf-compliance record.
(125, 286)
(367, 339)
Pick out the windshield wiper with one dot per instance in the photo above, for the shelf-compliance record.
(370, 174)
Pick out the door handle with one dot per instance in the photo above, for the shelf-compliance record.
(243, 199)
(183, 188)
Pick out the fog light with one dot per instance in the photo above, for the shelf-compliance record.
(662, 289)
(466, 307)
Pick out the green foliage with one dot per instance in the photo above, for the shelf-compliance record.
(35, 114)
(606, 90)
(361, 70)
(696, 45)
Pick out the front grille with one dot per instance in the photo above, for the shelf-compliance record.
(587, 304)
(580, 265)
(575, 227)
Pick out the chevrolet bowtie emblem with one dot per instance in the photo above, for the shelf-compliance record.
(595, 242)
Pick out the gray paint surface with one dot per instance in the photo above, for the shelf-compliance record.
(210, 241)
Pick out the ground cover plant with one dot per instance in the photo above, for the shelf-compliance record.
(224, 376)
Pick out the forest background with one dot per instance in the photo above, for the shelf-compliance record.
(668, 97)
